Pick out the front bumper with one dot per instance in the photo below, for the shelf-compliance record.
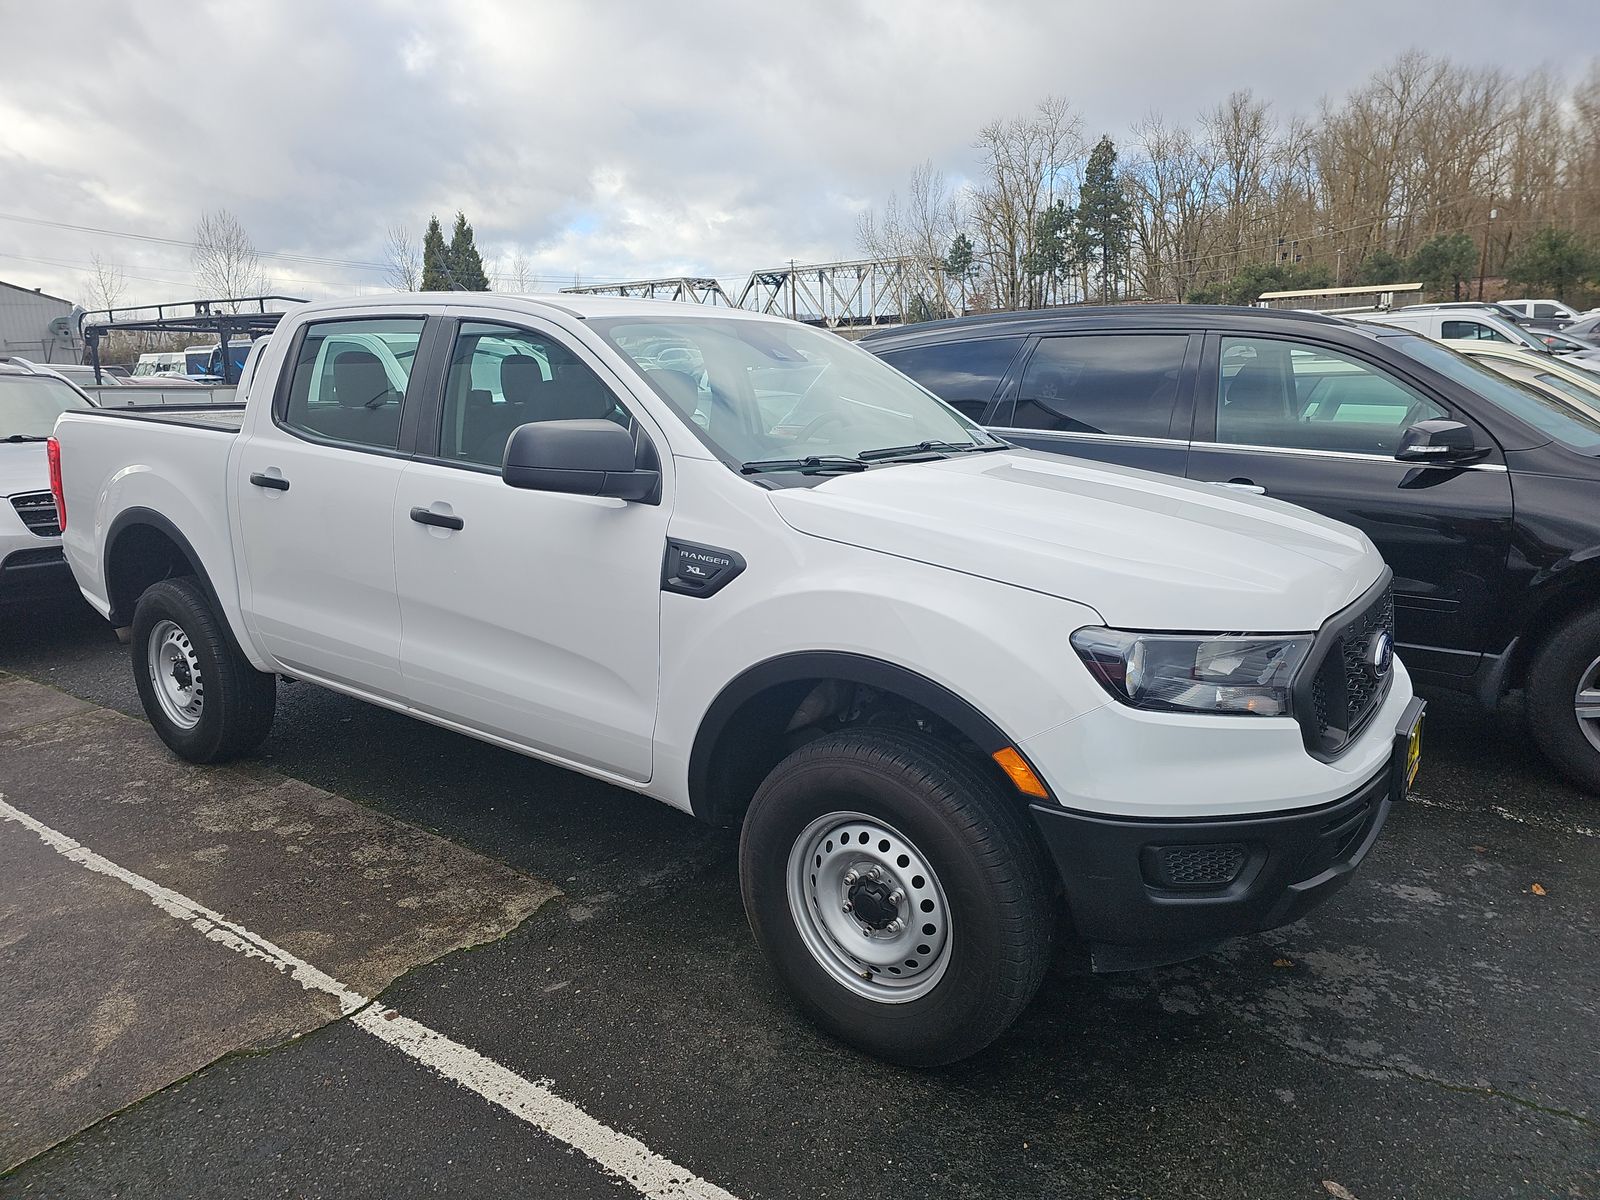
(35, 573)
(1145, 892)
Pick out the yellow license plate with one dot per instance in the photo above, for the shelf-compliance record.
(1414, 753)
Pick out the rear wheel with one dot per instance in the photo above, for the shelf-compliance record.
(204, 699)
(1563, 700)
(897, 893)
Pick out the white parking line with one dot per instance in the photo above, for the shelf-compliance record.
(621, 1155)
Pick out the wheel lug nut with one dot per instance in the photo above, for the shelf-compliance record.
(896, 925)
(848, 907)
(897, 895)
(851, 876)
(875, 873)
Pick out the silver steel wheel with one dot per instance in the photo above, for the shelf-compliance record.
(869, 907)
(175, 675)
(1586, 703)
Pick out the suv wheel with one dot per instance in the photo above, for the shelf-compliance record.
(1563, 700)
(897, 893)
(205, 700)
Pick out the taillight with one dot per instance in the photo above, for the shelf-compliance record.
(52, 450)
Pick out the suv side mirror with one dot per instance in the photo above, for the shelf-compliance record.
(1439, 442)
(579, 458)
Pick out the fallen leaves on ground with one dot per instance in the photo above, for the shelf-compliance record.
(1538, 889)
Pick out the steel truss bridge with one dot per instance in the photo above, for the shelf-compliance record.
(862, 292)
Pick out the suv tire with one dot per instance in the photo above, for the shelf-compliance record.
(956, 864)
(1569, 661)
(205, 700)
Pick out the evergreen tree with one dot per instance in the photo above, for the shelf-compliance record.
(958, 264)
(1553, 261)
(1444, 263)
(1056, 248)
(466, 267)
(435, 259)
(1381, 267)
(1254, 278)
(1105, 217)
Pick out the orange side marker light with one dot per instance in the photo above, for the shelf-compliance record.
(1020, 773)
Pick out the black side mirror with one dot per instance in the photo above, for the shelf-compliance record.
(1443, 442)
(579, 458)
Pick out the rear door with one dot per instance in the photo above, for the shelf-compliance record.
(1318, 426)
(314, 483)
(1122, 398)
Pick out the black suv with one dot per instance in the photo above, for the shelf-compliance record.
(1482, 494)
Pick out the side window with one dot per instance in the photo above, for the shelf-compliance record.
(1545, 312)
(1475, 331)
(1119, 383)
(1281, 393)
(962, 374)
(501, 377)
(349, 380)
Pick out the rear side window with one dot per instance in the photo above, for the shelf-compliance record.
(1121, 383)
(1545, 312)
(1453, 331)
(962, 374)
(349, 381)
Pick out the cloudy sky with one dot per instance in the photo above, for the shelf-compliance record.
(621, 139)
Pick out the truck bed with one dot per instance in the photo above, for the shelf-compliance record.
(222, 418)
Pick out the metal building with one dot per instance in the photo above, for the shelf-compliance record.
(37, 325)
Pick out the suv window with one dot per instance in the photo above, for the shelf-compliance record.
(1544, 312)
(1117, 383)
(962, 374)
(1273, 392)
(502, 377)
(1470, 331)
(350, 378)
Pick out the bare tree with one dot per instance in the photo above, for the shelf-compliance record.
(918, 233)
(226, 265)
(105, 284)
(521, 272)
(402, 260)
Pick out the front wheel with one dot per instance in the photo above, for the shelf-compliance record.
(897, 893)
(1563, 700)
(204, 699)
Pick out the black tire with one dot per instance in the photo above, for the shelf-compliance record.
(238, 701)
(1552, 689)
(978, 843)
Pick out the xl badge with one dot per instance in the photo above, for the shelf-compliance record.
(1380, 654)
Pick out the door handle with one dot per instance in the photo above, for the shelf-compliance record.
(423, 516)
(276, 483)
(1244, 485)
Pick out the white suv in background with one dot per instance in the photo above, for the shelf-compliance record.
(1553, 312)
(1455, 324)
(31, 563)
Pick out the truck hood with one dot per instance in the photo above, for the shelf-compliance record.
(1145, 551)
(23, 468)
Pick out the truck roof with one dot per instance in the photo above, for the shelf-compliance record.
(582, 306)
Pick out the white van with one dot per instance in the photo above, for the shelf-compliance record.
(1455, 325)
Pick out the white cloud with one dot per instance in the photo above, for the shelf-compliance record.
(621, 140)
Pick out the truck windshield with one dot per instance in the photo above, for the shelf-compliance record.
(30, 404)
(761, 392)
(1570, 426)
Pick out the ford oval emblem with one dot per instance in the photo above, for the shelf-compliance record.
(1380, 654)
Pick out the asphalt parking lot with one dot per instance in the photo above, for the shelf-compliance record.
(1430, 1033)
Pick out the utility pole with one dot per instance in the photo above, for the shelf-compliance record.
(1483, 259)
(791, 291)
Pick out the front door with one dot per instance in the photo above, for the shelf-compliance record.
(315, 482)
(529, 616)
(1319, 427)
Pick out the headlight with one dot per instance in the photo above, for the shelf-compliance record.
(1246, 676)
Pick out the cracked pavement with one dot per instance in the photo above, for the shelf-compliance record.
(1428, 1033)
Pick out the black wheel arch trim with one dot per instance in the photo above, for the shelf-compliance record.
(832, 664)
(130, 518)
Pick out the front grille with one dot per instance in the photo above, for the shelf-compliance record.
(1344, 691)
(38, 513)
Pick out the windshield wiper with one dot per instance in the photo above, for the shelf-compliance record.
(809, 464)
(930, 448)
(26, 437)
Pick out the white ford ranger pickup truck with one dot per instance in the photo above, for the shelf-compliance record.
(968, 704)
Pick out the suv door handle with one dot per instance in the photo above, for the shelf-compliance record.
(1244, 485)
(424, 516)
(276, 483)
